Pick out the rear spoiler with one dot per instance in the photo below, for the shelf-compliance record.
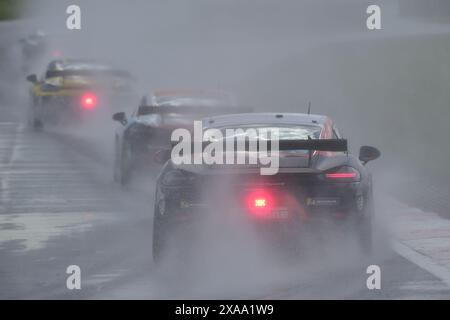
(210, 110)
(332, 145)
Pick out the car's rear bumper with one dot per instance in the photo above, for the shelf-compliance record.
(328, 202)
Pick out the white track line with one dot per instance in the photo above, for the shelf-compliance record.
(423, 262)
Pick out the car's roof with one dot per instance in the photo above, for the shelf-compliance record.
(245, 119)
(188, 96)
(78, 64)
(189, 93)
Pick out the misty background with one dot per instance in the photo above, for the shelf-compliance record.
(387, 88)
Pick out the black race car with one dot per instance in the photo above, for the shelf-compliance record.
(70, 90)
(143, 140)
(317, 181)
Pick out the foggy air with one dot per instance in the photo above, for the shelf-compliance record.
(345, 196)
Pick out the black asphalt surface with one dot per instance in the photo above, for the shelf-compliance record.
(60, 207)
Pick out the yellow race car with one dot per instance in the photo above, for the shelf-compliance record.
(71, 90)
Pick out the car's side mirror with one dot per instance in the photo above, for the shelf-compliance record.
(120, 117)
(32, 78)
(161, 156)
(367, 153)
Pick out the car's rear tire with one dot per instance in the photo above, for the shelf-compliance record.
(365, 236)
(37, 124)
(116, 162)
(159, 235)
(364, 226)
(34, 120)
(121, 166)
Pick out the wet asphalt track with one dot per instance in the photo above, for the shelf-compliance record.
(59, 206)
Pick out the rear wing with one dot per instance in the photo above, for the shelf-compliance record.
(331, 145)
(310, 145)
(202, 110)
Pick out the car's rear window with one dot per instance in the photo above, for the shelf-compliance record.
(300, 132)
(56, 69)
(190, 101)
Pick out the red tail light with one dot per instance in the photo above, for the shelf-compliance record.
(348, 174)
(259, 202)
(343, 175)
(56, 54)
(89, 101)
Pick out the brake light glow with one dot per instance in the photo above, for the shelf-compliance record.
(259, 202)
(89, 101)
(347, 174)
(56, 54)
(343, 175)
